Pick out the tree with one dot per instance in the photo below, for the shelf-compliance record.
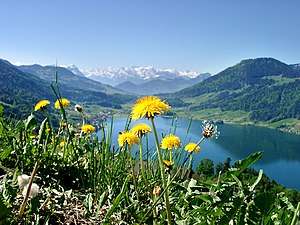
(205, 167)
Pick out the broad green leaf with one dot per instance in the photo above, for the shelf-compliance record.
(264, 202)
(245, 163)
(230, 214)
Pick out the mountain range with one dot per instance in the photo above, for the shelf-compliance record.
(141, 78)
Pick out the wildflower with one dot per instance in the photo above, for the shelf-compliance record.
(63, 124)
(141, 129)
(192, 147)
(23, 180)
(209, 130)
(34, 190)
(41, 105)
(168, 163)
(127, 137)
(88, 128)
(64, 102)
(62, 144)
(170, 141)
(149, 107)
(156, 191)
(78, 108)
(32, 136)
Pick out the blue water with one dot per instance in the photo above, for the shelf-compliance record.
(280, 162)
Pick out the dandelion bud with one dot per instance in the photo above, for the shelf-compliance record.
(35, 189)
(23, 180)
(78, 108)
(156, 191)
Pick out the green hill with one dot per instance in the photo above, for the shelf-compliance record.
(68, 79)
(20, 91)
(264, 89)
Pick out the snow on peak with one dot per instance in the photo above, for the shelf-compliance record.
(136, 74)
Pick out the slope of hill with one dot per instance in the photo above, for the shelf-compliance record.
(20, 91)
(160, 86)
(265, 88)
(67, 78)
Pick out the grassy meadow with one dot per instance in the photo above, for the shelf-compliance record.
(69, 172)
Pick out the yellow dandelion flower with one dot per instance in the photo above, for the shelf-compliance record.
(168, 163)
(32, 137)
(62, 144)
(141, 129)
(170, 141)
(88, 128)
(127, 137)
(192, 147)
(149, 107)
(64, 102)
(63, 124)
(41, 105)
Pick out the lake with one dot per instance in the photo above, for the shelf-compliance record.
(280, 162)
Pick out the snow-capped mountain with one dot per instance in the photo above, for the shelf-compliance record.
(74, 69)
(137, 74)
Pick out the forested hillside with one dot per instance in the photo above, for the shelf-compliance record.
(265, 87)
(20, 91)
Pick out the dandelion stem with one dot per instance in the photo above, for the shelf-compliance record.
(141, 156)
(164, 182)
(169, 183)
(29, 188)
(133, 173)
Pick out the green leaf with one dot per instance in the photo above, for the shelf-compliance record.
(229, 215)
(29, 122)
(42, 131)
(88, 202)
(118, 199)
(264, 202)
(4, 211)
(245, 163)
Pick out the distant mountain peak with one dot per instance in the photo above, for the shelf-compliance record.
(74, 69)
(136, 74)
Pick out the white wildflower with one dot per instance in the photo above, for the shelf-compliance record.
(23, 180)
(35, 189)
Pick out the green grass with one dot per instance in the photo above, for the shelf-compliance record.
(85, 179)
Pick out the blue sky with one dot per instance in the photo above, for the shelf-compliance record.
(202, 35)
